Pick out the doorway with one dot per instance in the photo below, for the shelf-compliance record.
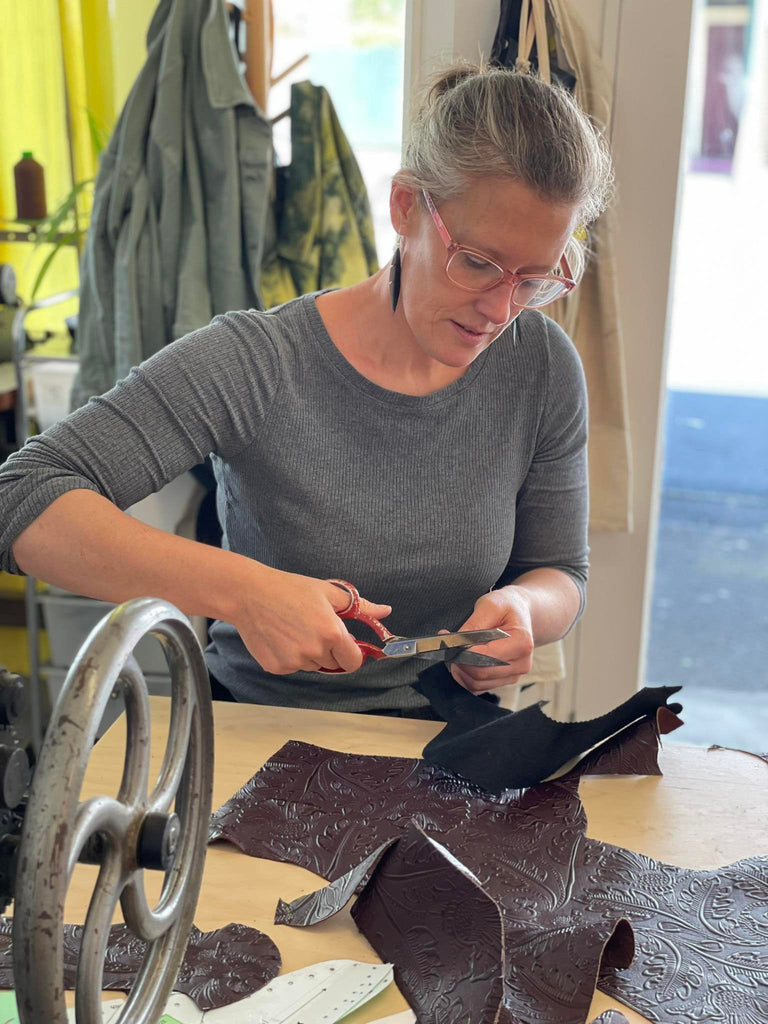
(709, 613)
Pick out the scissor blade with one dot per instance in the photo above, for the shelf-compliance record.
(460, 656)
(406, 648)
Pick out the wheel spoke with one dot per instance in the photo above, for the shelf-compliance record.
(155, 979)
(152, 922)
(183, 701)
(99, 814)
(135, 780)
(90, 968)
(143, 921)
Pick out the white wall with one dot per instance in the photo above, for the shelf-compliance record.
(646, 42)
(649, 91)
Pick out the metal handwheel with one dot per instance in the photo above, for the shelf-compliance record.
(136, 830)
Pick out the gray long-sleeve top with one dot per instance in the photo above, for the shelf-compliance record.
(423, 502)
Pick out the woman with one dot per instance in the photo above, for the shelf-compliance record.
(421, 434)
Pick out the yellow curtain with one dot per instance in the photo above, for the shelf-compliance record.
(57, 66)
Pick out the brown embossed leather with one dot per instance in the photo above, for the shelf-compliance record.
(219, 967)
(426, 914)
(634, 752)
(422, 910)
(327, 811)
(324, 903)
(701, 937)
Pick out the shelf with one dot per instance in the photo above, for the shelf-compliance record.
(12, 231)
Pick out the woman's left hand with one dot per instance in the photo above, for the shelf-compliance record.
(507, 608)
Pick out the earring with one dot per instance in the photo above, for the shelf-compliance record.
(395, 268)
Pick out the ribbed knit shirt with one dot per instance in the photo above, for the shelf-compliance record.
(424, 502)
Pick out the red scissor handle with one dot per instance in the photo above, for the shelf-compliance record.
(353, 611)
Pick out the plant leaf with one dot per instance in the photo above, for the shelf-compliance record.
(99, 134)
(54, 221)
(57, 247)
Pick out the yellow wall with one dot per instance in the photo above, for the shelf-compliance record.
(105, 46)
(130, 21)
(34, 118)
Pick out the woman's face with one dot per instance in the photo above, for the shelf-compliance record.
(502, 219)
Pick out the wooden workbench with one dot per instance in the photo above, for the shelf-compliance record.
(709, 809)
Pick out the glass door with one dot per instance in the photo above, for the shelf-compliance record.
(709, 626)
(355, 49)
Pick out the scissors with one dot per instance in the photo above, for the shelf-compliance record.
(447, 647)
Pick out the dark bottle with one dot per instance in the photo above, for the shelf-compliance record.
(30, 189)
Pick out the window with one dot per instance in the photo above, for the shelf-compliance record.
(710, 602)
(355, 50)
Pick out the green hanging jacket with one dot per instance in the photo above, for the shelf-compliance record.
(320, 231)
(177, 228)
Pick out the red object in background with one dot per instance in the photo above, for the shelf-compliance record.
(29, 180)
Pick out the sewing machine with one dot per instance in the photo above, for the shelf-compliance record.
(45, 829)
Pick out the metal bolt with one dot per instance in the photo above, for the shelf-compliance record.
(158, 841)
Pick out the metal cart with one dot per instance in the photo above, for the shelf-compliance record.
(22, 360)
(70, 617)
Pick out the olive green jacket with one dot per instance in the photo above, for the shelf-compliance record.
(181, 197)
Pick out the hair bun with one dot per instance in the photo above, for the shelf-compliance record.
(474, 120)
(448, 78)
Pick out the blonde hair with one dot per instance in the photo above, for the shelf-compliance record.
(480, 121)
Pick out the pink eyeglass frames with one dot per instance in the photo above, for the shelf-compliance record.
(476, 272)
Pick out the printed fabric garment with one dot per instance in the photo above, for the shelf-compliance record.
(177, 228)
(320, 230)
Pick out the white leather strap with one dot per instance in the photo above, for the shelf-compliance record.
(533, 26)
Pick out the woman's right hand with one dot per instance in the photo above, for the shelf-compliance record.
(83, 543)
(289, 623)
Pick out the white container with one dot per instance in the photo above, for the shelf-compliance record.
(167, 507)
(68, 621)
(51, 381)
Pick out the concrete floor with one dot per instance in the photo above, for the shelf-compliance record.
(709, 618)
(730, 718)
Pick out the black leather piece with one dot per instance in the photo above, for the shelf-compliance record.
(500, 749)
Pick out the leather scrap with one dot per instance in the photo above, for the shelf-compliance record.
(426, 914)
(421, 909)
(561, 895)
(701, 937)
(328, 811)
(500, 749)
(740, 750)
(219, 967)
(324, 903)
(635, 751)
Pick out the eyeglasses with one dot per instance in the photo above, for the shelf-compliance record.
(475, 272)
